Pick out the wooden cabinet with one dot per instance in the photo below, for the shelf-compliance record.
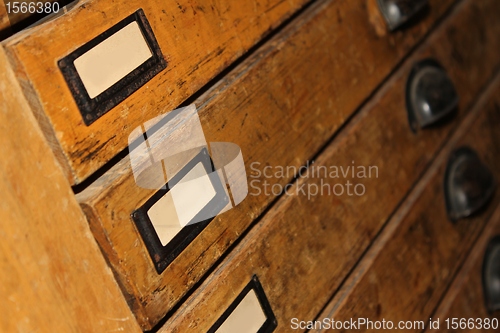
(55, 278)
(270, 116)
(465, 297)
(305, 247)
(411, 264)
(344, 215)
(197, 41)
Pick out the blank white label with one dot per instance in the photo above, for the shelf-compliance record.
(181, 204)
(247, 317)
(112, 59)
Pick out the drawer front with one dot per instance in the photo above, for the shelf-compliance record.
(300, 267)
(197, 41)
(303, 248)
(465, 298)
(267, 115)
(409, 267)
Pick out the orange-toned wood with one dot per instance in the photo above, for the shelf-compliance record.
(302, 250)
(54, 276)
(10, 22)
(4, 19)
(465, 298)
(269, 117)
(407, 270)
(199, 40)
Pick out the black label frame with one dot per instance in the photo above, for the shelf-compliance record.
(93, 108)
(269, 325)
(163, 255)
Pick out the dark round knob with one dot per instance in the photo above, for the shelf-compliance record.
(430, 94)
(468, 184)
(491, 275)
(398, 12)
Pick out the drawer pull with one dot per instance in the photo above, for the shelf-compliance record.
(430, 94)
(468, 184)
(109, 68)
(398, 12)
(250, 312)
(491, 275)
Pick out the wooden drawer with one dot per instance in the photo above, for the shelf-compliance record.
(301, 251)
(197, 40)
(411, 264)
(267, 115)
(465, 297)
(329, 87)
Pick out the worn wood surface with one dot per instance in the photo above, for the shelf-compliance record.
(199, 40)
(303, 249)
(280, 97)
(407, 270)
(54, 278)
(269, 134)
(464, 298)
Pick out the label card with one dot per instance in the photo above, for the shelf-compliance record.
(250, 312)
(181, 204)
(112, 59)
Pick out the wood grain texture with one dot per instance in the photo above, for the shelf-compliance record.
(281, 97)
(465, 298)
(54, 276)
(199, 39)
(302, 250)
(409, 267)
(312, 244)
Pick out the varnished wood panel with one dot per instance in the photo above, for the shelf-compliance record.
(199, 40)
(465, 298)
(266, 105)
(54, 278)
(407, 270)
(14, 22)
(302, 250)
